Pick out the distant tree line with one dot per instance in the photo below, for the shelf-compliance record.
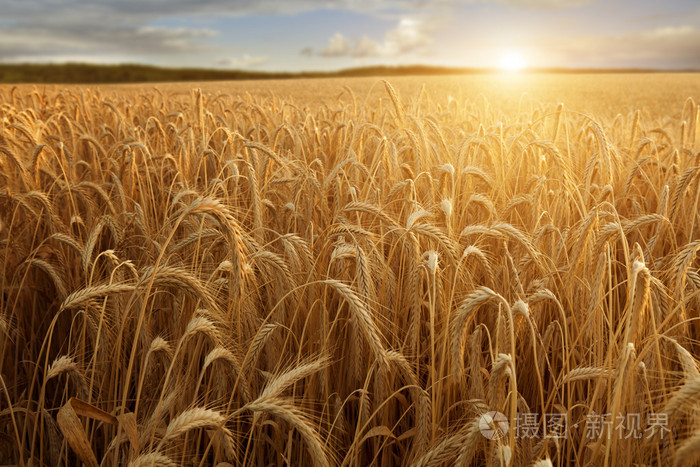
(82, 73)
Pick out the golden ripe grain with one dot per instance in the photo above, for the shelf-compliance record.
(293, 279)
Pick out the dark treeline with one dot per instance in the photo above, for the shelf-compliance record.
(81, 73)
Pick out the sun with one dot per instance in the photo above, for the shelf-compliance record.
(512, 62)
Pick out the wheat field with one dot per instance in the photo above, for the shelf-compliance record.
(212, 278)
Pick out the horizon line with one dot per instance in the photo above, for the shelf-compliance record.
(84, 72)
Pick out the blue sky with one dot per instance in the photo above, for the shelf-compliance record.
(333, 34)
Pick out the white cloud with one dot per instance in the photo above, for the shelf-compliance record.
(175, 33)
(673, 31)
(409, 35)
(367, 47)
(245, 61)
(338, 46)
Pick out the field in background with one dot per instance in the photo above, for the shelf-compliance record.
(351, 272)
(658, 96)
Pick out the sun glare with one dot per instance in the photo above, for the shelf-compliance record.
(512, 62)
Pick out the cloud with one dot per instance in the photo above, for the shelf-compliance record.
(409, 35)
(367, 47)
(144, 11)
(549, 4)
(102, 30)
(338, 46)
(245, 61)
(100, 41)
(667, 47)
(95, 30)
(174, 33)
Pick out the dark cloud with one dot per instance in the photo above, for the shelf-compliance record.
(28, 41)
(38, 30)
(82, 12)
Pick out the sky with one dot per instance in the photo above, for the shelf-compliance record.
(296, 35)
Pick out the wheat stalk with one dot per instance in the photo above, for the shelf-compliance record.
(192, 419)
